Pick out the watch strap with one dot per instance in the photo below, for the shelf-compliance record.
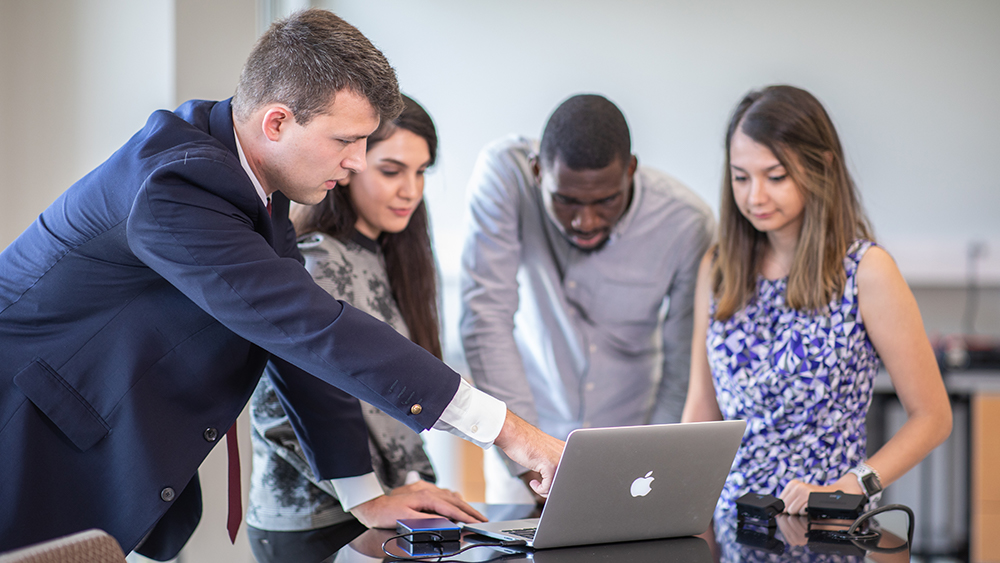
(869, 480)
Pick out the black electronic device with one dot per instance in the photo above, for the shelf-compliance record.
(428, 548)
(758, 507)
(419, 530)
(835, 506)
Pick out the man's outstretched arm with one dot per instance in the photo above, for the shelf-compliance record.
(521, 441)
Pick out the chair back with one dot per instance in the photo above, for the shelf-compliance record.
(89, 546)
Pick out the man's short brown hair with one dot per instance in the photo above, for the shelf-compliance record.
(304, 60)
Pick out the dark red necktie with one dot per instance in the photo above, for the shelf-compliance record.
(235, 495)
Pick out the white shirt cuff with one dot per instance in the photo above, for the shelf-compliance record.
(352, 491)
(473, 416)
(412, 477)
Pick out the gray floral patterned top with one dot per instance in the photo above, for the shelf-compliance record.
(803, 382)
(284, 492)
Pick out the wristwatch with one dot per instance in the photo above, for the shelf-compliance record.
(869, 481)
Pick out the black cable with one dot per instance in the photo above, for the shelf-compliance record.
(516, 543)
(862, 539)
(867, 515)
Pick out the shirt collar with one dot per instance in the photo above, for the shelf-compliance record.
(622, 225)
(246, 167)
(364, 242)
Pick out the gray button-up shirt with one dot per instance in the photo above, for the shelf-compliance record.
(569, 338)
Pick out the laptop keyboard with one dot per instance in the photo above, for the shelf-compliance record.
(526, 533)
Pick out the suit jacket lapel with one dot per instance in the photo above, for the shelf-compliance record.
(221, 124)
(221, 127)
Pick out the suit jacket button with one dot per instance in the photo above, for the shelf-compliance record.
(167, 494)
(211, 434)
(416, 409)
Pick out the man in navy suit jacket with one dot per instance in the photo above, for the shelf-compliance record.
(139, 310)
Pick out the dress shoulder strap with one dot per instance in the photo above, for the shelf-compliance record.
(855, 253)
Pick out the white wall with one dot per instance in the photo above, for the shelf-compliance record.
(911, 85)
(212, 41)
(75, 85)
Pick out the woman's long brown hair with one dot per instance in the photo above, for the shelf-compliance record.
(409, 257)
(794, 126)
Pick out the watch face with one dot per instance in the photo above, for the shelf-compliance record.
(872, 484)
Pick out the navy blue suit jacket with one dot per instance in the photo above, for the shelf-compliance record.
(136, 316)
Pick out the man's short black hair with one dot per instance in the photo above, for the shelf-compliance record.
(586, 132)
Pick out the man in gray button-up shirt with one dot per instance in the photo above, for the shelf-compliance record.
(578, 278)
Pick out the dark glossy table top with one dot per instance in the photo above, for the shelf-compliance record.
(789, 540)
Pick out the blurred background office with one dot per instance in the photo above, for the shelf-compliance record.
(911, 85)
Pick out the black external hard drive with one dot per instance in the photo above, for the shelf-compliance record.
(759, 507)
(838, 506)
(428, 530)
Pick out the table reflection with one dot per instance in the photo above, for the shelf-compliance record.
(790, 539)
(367, 549)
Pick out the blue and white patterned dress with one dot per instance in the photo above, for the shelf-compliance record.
(803, 382)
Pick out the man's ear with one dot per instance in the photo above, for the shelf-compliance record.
(276, 119)
(536, 168)
(633, 165)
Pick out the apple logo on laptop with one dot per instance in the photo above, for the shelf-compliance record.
(642, 485)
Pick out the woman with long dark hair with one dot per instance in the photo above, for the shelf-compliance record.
(796, 308)
(368, 244)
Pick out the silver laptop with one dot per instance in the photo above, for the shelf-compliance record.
(630, 483)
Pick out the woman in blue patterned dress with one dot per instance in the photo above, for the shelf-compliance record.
(795, 310)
